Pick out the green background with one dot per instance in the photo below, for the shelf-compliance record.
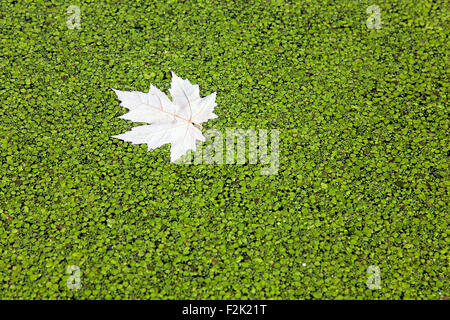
(363, 177)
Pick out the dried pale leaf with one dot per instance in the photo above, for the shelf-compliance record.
(169, 121)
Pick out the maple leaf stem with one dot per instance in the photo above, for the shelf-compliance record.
(177, 116)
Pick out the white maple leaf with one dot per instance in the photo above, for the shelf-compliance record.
(168, 121)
